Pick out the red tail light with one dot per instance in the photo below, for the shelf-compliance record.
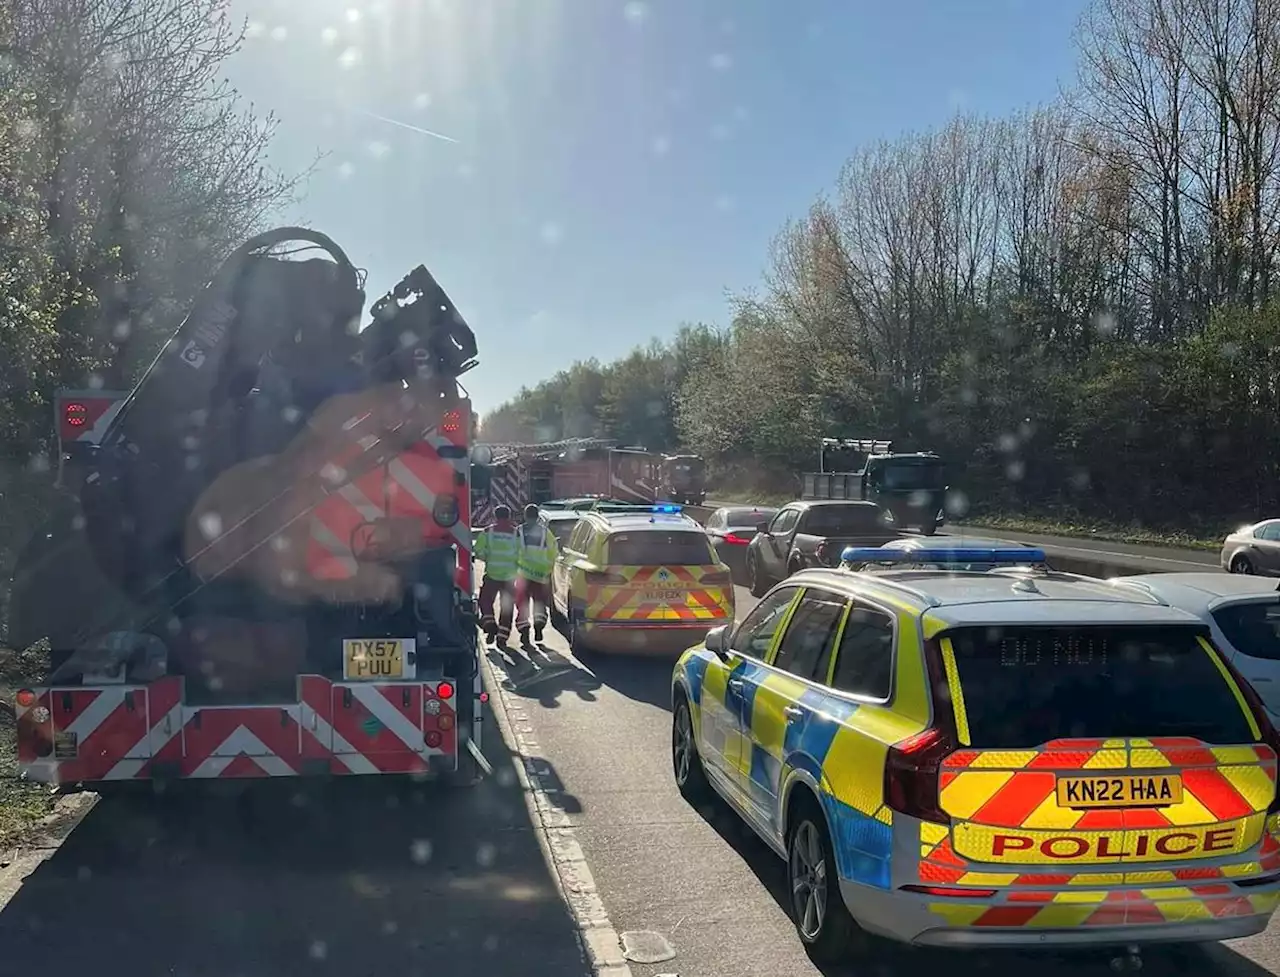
(1269, 734)
(451, 422)
(911, 775)
(444, 690)
(604, 577)
(733, 539)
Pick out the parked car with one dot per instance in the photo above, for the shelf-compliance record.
(813, 534)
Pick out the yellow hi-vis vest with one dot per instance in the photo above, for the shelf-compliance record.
(538, 551)
(500, 550)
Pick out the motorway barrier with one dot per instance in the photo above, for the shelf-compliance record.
(1091, 562)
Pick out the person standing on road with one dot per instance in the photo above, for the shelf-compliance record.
(538, 551)
(499, 547)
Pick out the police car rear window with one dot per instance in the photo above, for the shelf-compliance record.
(844, 520)
(645, 549)
(1024, 686)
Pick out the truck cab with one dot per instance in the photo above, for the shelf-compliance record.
(911, 485)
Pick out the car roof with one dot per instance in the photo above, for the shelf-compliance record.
(1200, 592)
(958, 599)
(630, 522)
(831, 503)
(551, 515)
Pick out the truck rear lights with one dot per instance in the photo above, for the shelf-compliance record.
(432, 707)
(25, 698)
(434, 739)
(445, 690)
(451, 421)
(445, 722)
(911, 773)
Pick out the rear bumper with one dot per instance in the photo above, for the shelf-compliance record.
(1079, 919)
(114, 733)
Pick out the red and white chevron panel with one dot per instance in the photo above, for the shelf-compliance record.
(121, 732)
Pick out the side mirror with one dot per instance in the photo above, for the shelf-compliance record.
(762, 528)
(717, 641)
(481, 475)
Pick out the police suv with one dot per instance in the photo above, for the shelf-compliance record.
(1007, 757)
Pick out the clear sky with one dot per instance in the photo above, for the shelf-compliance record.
(612, 168)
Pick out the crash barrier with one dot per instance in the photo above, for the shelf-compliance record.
(1088, 561)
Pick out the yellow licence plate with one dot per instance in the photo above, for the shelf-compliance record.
(374, 658)
(664, 596)
(1125, 790)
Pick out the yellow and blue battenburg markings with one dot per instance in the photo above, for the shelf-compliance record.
(841, 744)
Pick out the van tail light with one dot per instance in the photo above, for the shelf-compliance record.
(733, 539)
(1269, 734)
(605, 577)
(911, 773)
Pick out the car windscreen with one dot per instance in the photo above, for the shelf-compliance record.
(844, 520)
(1252, 628)
(562, 529)
(907, 475)
(747, 518)
(1024, 686)
(659, 548)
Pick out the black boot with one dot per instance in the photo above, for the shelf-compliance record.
(525, 643)
(537, 633)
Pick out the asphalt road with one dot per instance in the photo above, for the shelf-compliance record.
(699, 879)
(399, 883)
(373, 881)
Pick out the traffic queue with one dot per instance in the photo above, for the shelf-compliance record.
(951, 743)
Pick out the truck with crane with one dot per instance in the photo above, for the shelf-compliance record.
(267, 544)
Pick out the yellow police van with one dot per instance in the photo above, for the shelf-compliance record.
(639, 578)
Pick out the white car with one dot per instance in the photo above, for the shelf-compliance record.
(1243, 613)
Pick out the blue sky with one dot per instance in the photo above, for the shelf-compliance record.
(612, 168)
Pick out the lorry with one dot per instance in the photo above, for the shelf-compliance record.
(578, 467)
(261, 566)
(910, 485)
(683, 479)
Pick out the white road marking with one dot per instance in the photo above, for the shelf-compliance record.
(601, 944)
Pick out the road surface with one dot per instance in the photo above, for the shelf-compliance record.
(445, 883)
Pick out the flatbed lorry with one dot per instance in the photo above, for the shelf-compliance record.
(910, 485)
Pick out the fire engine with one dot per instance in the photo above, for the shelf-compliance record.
(267, 544)
(524, 473)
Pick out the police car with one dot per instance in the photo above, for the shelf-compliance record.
(639, 577)
(1012, 758)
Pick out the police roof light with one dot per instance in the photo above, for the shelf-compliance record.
(959, 554)
(668, 507)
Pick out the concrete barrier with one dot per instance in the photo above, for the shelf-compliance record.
(1088, 561)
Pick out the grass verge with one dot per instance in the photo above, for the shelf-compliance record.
(23, 805)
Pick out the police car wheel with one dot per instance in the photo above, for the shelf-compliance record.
(577, 641)
(826, 929)
(691, 779)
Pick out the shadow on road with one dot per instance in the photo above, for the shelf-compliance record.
(644, 679)
(542, 674)
(885, 959)
(368, 876)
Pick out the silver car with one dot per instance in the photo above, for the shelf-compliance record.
(1253, 549)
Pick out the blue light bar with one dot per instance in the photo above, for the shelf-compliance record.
(670, 507)
(960, 554)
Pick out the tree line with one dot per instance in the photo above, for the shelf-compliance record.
(1078, 305)
(128, 168)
